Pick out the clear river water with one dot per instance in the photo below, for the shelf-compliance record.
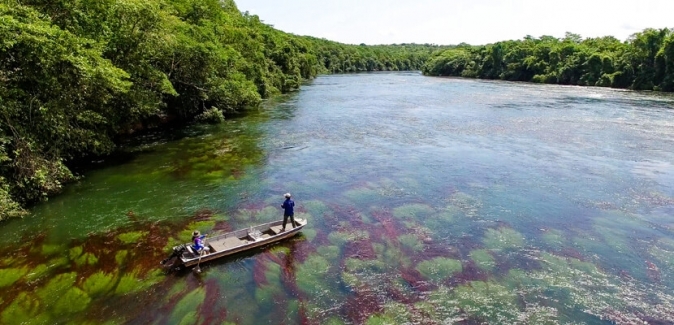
(429, 201)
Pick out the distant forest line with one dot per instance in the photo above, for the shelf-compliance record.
(77, 74)
(644, 62)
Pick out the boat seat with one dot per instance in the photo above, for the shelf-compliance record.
(276, 229)
(192, 251)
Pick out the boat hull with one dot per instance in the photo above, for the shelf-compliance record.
(239, 241)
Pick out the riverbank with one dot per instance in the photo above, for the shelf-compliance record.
(76, 75)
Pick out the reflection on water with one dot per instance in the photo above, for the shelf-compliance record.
(430, 201)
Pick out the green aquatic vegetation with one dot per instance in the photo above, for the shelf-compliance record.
(273, 273)
(7, 261)
(120, 257)
(245, 215)
(535, 314)
(329, 252)
(58, 262)
(393, 313)
(185, 311)
(177, 289)
(75, 252)
(298, 215)
(663, 251)
(131, 282)
(448, 220)
(86, 259)
(439, 268)
(503, 239)
(25, 309)
(56, 287)
(488, 301)
(412, 242)
(380, 320)
(132, 237)
(612, 245)
(339, 238)
(391, 255)
(185, 235)
(98, 322)
(574, 282)
(518, 278)
(51, 249)
(362, 195)
(269, 214)
(483, 259)
(315, 207)
(553, 238)
(389, 188)
(615, 229)
(579, 285)
(356, 265)
(266, 294)
(99, 283)
(266, 214)
(447, 214)
(368, 273)
(466, 203)
(279, 249)
(617, 239)
(351, 280)
(309, 233)
(312, 274)
(204, 226)
(72, 301)
(622, 221)
(35, 273)
(215, 176)
(9, 276)
(413, 211)
(432, 310)
(293, 310)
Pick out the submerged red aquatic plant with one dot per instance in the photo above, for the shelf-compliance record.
(259, 270)
(416, 280)
(360, 249)
(362, 305)
(387, 227)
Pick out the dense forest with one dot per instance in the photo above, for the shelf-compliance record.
(75, 75)
(643, 62)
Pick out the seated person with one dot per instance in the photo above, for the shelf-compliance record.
(198, 246)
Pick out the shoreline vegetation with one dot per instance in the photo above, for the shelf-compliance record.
(644, 62)
(77, 75)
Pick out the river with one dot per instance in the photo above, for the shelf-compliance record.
(429, 201)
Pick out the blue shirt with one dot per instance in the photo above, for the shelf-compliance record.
(287, 206)
(198, 244)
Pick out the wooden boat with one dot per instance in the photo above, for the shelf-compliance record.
(233, 242)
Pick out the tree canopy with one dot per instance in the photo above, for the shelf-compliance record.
(77, 73)
(644, 62)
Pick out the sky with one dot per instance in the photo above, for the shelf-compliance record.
(447, 22)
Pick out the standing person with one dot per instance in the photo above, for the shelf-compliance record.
(288, 211)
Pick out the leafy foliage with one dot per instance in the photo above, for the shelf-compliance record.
(645, 61)
(76, 74)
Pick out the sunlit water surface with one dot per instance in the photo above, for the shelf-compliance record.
(429, 200)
